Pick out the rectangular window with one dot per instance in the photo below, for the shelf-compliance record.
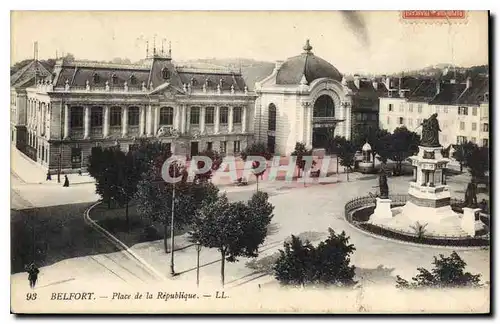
(166, 116)
(485, 142)
(96, 117)
(461, 139)
(209, 115)
(115, 116)
(485, 127)
(223, 146)
(410, 122)
(401, 120)
(462, 125)
(410, 107)
(474, 111)
(419, 108)
(223, 115)
(76, 117)
(463, 111)
(236, 147)
(474, 126)
(209, 146)
(237, 115)
(194, 118)
(401, 107)
(389, 108)
(133, 116)
(76, 157)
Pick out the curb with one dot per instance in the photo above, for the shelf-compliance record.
(445, 247)
(118, 243)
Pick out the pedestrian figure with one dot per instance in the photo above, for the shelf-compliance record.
(66, 181)
(79, 172)
(32, 275)
(49, 176)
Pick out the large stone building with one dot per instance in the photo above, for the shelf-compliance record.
(306, 99)
(462, 108)
(82, 104)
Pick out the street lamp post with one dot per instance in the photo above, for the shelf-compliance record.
(172, 271)
(198, 250)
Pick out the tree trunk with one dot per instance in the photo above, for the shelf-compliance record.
(222, 265)
(165, 240)
(337, 158)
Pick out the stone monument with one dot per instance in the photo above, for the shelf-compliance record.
(429, 196)
(383, 203)
(367, 164)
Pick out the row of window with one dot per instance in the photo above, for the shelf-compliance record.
(437, 109)
(484, 127)
(401, 121)
(166, 116)
(463, 140)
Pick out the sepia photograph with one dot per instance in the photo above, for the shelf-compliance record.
(250, 162)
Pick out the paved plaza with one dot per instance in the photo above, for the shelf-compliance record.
(305, 211)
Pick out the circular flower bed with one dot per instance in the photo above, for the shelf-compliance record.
(359, 210)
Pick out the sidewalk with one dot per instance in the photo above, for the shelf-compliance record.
(30, 172)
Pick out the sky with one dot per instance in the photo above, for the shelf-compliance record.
(368, 42)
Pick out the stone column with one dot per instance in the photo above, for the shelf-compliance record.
(217, 119)
(230, 120)
(156, 111)
(124, 121)
(202, 119)
(105, 122)
(183, 119)
(86, 122)
(142, 121)
(309, 125)
(177, 118)
(66, 121)
(188, 118)
(149, 121)
(243, 119)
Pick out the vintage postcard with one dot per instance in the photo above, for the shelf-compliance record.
(168, 162)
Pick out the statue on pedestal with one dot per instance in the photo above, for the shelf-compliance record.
(471, 196)
(382, 183)
(430, 132)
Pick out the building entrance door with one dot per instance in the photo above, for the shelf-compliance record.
(194, 149)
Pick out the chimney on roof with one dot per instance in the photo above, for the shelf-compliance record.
(357, 80)
(468, 83)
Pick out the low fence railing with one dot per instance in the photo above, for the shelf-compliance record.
(399, 200)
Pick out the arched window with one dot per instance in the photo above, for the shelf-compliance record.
(166, 116)
(76, 117)
(324, 107)
(194, 82)
(96, 78)
(272, 118)
(208, 82)
(133, 79)
(114, 79)
(96, 117)
(165, 73)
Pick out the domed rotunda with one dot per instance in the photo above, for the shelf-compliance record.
(304, 100)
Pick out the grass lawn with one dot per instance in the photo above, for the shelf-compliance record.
(140, 229)
(59, 233)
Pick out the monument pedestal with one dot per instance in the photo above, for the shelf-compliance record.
(382, 209)
(469, 220)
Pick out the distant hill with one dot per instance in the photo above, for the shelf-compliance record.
(251, 70)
